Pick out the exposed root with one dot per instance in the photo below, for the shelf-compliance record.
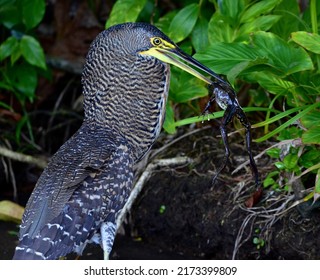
(22, 157)
(265, 216)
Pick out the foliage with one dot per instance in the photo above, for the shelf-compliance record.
(21, 55)
(268, 46)
(10, 211)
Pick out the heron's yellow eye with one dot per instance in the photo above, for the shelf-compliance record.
(156, 41)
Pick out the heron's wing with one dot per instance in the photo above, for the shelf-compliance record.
(96, 201)
(81, 156)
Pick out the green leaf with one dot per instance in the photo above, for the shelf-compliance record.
(273, 153)
(16, 53)
(164, 22)
(10, 211)
(284, 128)
(200, 34)
(32, 51)
(259, 8)
(125, 11)
(279, 165)
(33, 12)
(185, 88)
(286, 133)
(183, 23)
(7, 47)
(309, 41)
(268, 182)
(5, 105)
(281, 55)
(10, 14)
(23, 77)
(272, 83)
(169, 123)
(291, 18)
(231, 9)
(237, 69)
(290, 161)
(317, 187)
(222, 57)
(310, 158)
(312, 135)
(219, 30)
(311, 119)
(263, 23)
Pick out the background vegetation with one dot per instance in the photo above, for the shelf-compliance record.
(268, 50)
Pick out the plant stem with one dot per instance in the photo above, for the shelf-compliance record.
(314, 23)
(313, 12)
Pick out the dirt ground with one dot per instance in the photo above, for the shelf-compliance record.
(180, 215)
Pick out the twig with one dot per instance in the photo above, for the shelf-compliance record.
(156, 152)
(57, 104)
(22, 157)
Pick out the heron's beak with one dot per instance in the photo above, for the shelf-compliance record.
(172, 56)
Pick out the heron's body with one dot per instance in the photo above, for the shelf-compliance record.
(87, 182)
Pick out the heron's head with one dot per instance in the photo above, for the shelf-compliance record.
(143, 39)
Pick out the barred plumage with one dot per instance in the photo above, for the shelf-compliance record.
(87, 182)
(89, 179)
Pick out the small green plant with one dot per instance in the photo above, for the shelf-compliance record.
(21, 55)
(162, 209)
(259, 242)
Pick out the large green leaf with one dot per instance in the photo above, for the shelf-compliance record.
(32, 51)
(309, 41)
(10, 211)
(185, 87)
(272, 83)
(311, 119)
(8, 46)
(262, 23)
(10, 14)
(290, 18)
(169, 124)
(200, 34)
(23, 77)
(183, 22)
(164, 22)
(281, 55)
(277, 55)
(125, 11)
(219, 30)
(312, 135)
(257, 9)
(33, 12)
(240, 67)
(231, 9)
(222, 57)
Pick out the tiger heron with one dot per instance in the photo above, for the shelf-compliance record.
(87, 182)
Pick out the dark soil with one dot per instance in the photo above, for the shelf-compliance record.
(179, 215)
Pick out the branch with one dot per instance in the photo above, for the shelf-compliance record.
(41, 163)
